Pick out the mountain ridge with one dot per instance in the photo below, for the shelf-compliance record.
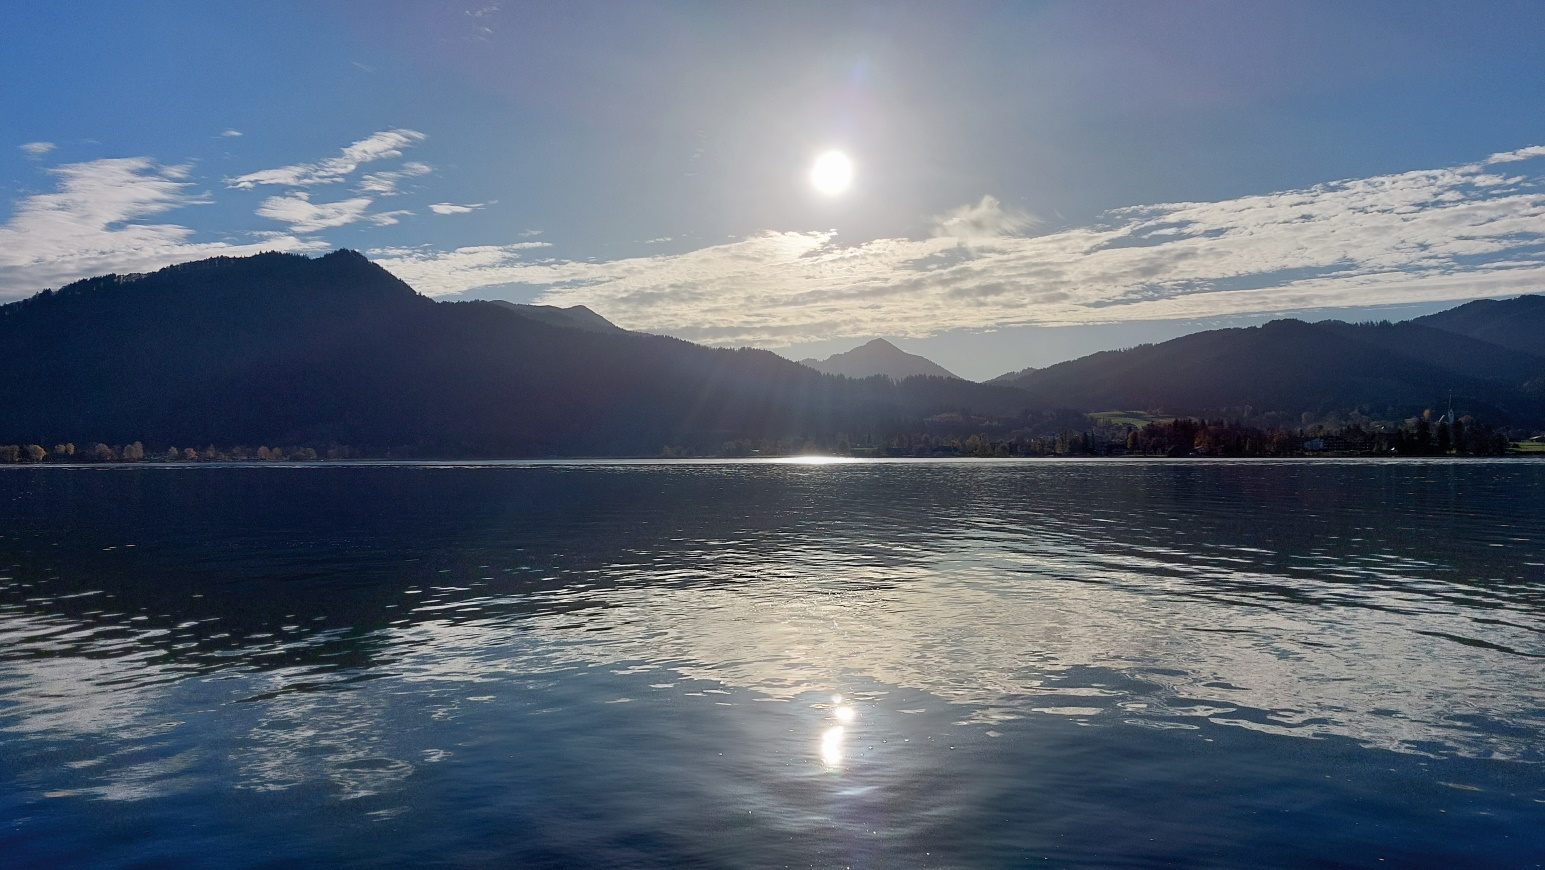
(282, 348)
(1517, 323)
(573, 317)
(1291, 368)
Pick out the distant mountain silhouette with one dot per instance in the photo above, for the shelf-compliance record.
(1515, 323)
(574, 317)
(1290, 367)
(282, 349)
(878, 357)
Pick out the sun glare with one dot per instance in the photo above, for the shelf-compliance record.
(832, 173)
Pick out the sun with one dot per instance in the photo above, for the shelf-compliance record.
(832, 173)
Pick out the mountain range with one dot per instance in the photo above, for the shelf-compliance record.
(1488, 357)
(285, 349)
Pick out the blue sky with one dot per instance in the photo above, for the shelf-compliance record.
(1032, 181)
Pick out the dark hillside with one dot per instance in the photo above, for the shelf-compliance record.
(1512, 323)
(284, 349)
(1291, 367)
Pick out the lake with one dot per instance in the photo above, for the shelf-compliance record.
(774, 664)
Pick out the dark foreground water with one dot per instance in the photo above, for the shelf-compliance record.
(907, 664)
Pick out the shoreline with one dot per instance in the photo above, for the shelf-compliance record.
(813, 460)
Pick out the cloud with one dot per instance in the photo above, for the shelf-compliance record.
(90, 226)
(231, 134)
(37, 149)
(305, 216)
(1521, 154)
(445, 273)
(387, 218)
(453, 208)
(986, 220)
(379, 146)
(385, 183)
(1432, 235)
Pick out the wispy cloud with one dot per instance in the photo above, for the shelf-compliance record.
(1514, 156)
(987, 219)
(453, 208)
(90, 225)
(231, 134)
(385, 183)
(1430, 235)
(379, 146)
(295, 207)
(37, 149)
(305, 216)
(387, 218)
(445, 273)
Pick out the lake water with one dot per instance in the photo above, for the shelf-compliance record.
(764, 664)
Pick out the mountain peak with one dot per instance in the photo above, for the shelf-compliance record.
(346, 256)
(879, 357)
(342, 281)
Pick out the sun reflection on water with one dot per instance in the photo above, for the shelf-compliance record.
(832, 738)
(831, 746)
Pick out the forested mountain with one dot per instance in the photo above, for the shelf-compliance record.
(279, 348)
(1514, 323)
(1289, 367)
(878, 357)
(1010, 377)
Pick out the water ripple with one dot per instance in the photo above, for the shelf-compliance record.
(308, 620)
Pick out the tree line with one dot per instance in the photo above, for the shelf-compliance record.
(1063, 434)
(68, 452)
(1424, 435)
